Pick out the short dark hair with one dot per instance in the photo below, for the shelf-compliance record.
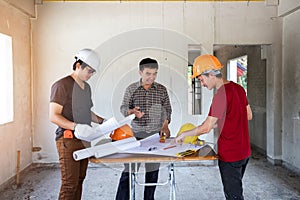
(219, 75)
(148, 63)
(83, 64)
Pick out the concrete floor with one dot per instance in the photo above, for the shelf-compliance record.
(262, 181)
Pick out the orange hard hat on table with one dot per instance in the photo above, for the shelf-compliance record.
(205, 63)
(122, 132)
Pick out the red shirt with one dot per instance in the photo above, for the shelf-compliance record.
(229, 106)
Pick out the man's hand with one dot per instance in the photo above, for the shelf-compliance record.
(165, 129)
(180, 138)
(86, 132)
(136, 110)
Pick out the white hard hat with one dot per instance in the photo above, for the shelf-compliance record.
(89, 56)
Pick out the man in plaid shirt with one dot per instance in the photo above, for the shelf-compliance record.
(150, 103)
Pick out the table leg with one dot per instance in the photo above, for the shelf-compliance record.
(132, 180)
(172, 181)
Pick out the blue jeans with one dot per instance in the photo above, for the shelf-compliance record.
(232, 174)
(151, 176)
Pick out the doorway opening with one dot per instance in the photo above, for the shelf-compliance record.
(237, 71)
(246, 65)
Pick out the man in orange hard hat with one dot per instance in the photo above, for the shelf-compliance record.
(230, 112)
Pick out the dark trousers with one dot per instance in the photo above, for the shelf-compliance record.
(232, 174)
(151, 176)
(72, 172)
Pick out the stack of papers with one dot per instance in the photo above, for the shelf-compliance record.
(149, 145)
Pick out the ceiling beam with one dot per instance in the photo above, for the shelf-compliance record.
(83, 1)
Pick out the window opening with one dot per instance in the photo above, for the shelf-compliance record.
(6, 79)
(194, 85)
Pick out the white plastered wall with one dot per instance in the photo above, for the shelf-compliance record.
(17, 135)
(125, 32)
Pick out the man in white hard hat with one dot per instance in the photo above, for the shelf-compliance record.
(230, 112)
(70, 104)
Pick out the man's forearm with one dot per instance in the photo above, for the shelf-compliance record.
(96, 118)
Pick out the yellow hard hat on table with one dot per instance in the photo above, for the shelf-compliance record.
(188, 139)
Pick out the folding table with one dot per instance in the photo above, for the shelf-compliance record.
(204, 154)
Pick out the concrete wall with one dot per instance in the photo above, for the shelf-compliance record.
(287, 7)
(291, 89)
(25, 6)
(17, 135)
(125, 32)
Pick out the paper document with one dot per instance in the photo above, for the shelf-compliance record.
(151, 145)
(106, 149)
(87, 133)
(112, 124)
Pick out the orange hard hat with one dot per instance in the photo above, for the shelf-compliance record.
(205, 63)
(121, 133)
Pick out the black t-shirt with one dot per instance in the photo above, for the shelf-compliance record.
(76, 102)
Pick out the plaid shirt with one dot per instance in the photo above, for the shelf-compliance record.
(154, 102)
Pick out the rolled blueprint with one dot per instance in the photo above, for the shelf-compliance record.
(106, 149)
(108, 126)
(112, 124)
(87, 133)
(127, 120)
